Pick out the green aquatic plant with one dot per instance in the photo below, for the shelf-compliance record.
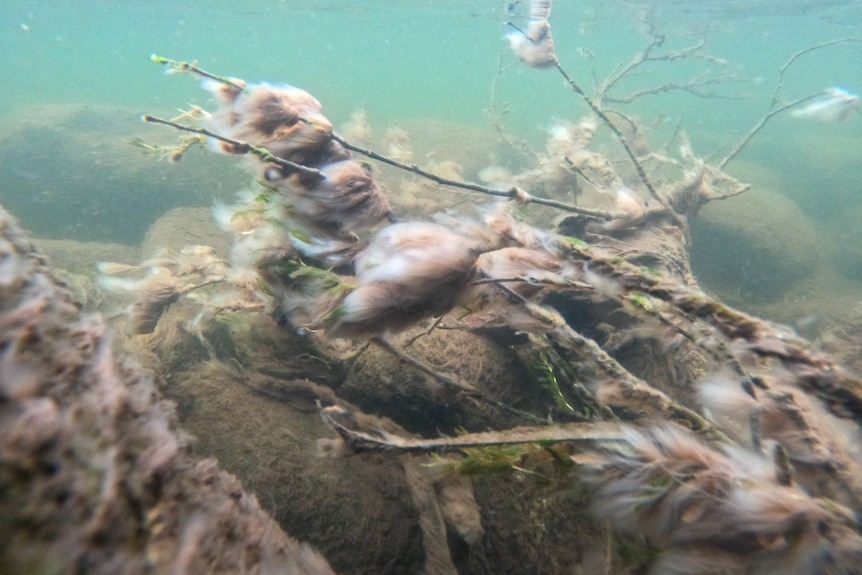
(544, 464)
(636, 554)
(297, 274)
(172, 153)
(549, 379)
(486, 460)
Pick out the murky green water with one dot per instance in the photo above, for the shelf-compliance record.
(443, 60)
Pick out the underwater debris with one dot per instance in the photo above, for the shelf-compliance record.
(288, 122)
(283, 119)
(154, 296)
(533, 266)
(822, 449)
(346, 199)
(311, 196)
(397, 144)
(707, 511)
(835, 104)
(299, 157)
(167, 276)
(407, 272)
(535, 46)
(357, 128)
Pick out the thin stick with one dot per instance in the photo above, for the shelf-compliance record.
(759, 126)
(622, 140)
(359, 441)
(241, 147)
(513, 193)
(796, 56)
(190, 68)
(630, 386)
(424, 332)
(496, 112)
(444, 379)
(773, 111)
(562, 282)
(692, 87)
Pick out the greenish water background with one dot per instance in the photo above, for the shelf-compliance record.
(415, 58)
(439, 59)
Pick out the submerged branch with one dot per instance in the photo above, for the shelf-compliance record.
(774, 108)
(441, 378)
(761, 124)
(240, 147)
(623, 142)
(359, 441)
(621, 388)
(513, 193)
(814, 372)
(693, 87)
(646, 55)
(804, 51)
(182, 67)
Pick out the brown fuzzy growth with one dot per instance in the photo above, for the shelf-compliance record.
(407, 272)
(273, 112)
(286, 121)
(709, 512)
(348, 198)
(96, 476)
(155, 295)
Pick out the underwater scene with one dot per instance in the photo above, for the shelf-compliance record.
(436, 287)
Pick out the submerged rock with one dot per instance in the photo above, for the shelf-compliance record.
(97, 183)
(754, 248)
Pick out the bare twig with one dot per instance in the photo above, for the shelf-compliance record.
(191, 68)
(623, 70)
(646, 55)
(630, 390)
(760, 124)
(692, 87)
(424, 332)
(240, 147)
(624, 143)
(561, 282)
(444, 379)
(171, 153)
(814, 371)
(513, 193)
(774, 107)
(496, 112)
(802, 52)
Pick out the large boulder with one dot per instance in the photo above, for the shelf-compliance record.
(753, 247)
(72, 172)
